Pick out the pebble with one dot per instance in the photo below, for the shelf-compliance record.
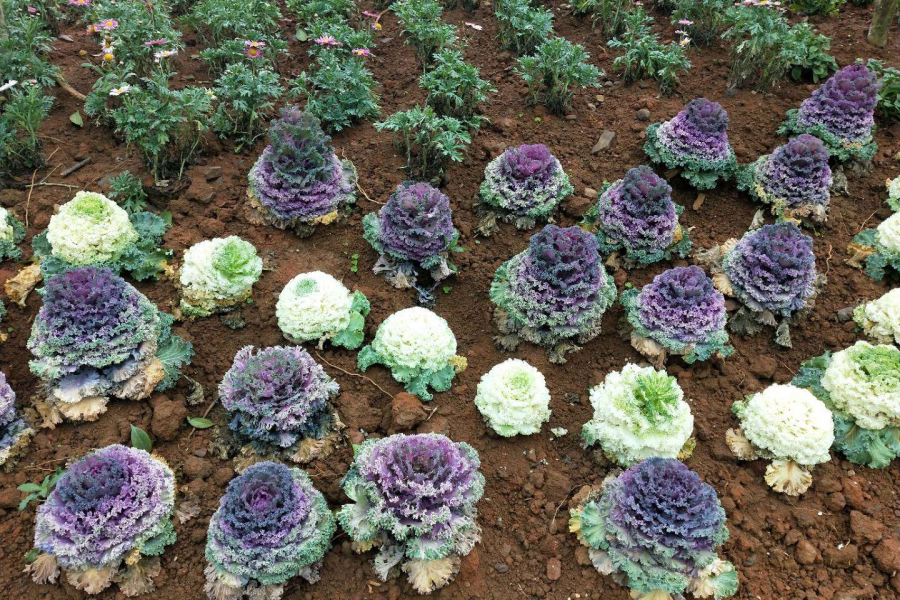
(605, 141)
(554, 569)
(501, 568)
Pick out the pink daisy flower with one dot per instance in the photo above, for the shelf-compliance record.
(362, 51)
(108, 24)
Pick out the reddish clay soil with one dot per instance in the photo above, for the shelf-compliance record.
(839, 541)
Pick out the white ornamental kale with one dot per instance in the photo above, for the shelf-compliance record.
(789, 423)
(217, 274)
(639, 413)
(90, 229)
(418, 347)
(893, 187)
(513, 398)
(789, 426)
(316, 306)
(880, 319)
(864, 382)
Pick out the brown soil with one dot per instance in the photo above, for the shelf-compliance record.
(827, 544)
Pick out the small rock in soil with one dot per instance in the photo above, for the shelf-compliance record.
(406, 412)
(554, 569)
(168, 416)
(501, 568)
(887, 556)
(605, 141)
(212, 173)
(642, 115)
(806, 553)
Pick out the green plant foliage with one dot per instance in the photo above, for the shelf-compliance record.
(645, 56)
(128, 191)
(140, 439)
(338, 90)
(523, 27)
(165, 126)
(425, 30)
(455, 88)
(889, 93)
(39, 491)
(765, 48)
(554, 69)
(246, 98)
(706, 17)
(20, 119)
(817, 7)
(428, 140)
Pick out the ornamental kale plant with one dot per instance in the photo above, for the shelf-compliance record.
(92, 230)
(523, 185)
(861, 386)
(513, 398)
(636, 216)
(108, 519)
(552, 294)
(794, 180)
(556, 66)
(773, 269)
(317, 307)
(271, 525)
(680, 312)
(523, 27)
(787, 425)
(879, 248)
(425, 30)
(414, 497)
(338, 91)
(246, 98)
(299, 182)
(20, 119)
(639, 413)
(645, 56)
(97, 337)
(12, 232)
(657, 526)
(880, 319)
(217, 275)
(696, 142)
(455, 88)
(277, 397)
(840, 112)
(15, 433)
(414, 235)
(419, 348)
(765, 47)
(427, 140)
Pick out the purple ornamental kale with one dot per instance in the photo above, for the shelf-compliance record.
(415, 225)
(555, 290)
(529, 165)
(107, 504)
(659, 524)
(525, 183)
(271, 525)
(90, 318)
(637, 213)
(772, 268)
(418, 490)
(278, 396)
(796, 174)
(298, 178)
(699, 132)
(14, 431)
(844, 105)
(683, 304)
